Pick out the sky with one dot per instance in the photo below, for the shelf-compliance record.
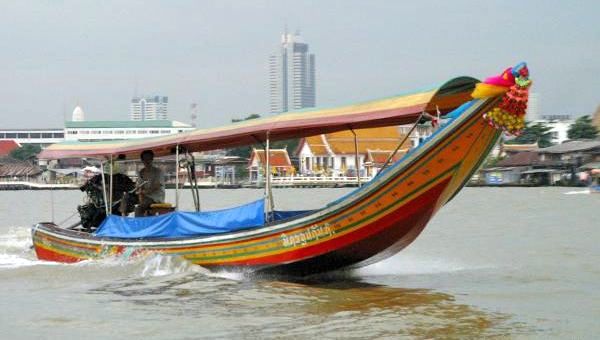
(57, 54)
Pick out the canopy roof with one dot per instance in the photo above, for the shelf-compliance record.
(397, 110)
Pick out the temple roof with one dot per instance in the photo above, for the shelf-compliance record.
(342, 142)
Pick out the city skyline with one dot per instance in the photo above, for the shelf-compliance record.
(63, 53)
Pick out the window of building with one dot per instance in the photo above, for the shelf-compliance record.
(307, 163)
(11, 135)
(72, 132)
(141, 132)
(59, 135)
(343, 163)
(22, 135)
(46, 135)
(153, 132)
(165, 131)
(35, 135)
(107, 132)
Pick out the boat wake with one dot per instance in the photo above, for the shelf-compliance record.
(405, 264)
(16, 252)
(578, 192)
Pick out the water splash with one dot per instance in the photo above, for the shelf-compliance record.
(16, 239)
(229, 275)
(144, 265)
(164, 265)
(15, 249)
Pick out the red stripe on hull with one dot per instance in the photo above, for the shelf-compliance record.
(47, 255)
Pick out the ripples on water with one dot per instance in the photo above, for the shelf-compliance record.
(163, 296)
(472, 291)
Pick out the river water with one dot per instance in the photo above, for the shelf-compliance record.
(510, 262)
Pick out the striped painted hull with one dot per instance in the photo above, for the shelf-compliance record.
(373, 223)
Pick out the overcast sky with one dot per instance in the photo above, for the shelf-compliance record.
(55, 54)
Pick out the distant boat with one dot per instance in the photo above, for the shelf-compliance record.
(371, 223)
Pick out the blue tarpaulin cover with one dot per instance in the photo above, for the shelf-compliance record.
(178, 224)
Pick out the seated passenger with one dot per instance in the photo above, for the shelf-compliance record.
(153, 190)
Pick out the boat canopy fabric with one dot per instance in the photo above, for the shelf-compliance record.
(180, 224)
(397, 110)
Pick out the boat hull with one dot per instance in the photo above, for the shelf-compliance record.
(379, 220)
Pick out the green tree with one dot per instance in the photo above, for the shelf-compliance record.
(27, 151)
(582, 129)
(596, 119)
(538, 132)
(244, 151)
(252, 116)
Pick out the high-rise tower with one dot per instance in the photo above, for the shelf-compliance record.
(148, 108)
(291, 75)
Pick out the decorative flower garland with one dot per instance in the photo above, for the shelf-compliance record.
(514, 83)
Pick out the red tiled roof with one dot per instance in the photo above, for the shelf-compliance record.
(6, 146)
(524, 158)
(378, 157)
(520, 147)
(18, 169)
(277, 157)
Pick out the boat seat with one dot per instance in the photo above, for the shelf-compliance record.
(160, 209)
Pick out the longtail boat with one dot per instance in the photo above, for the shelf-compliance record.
(371, 223)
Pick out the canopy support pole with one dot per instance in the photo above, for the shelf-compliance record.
(110, 186)
(177, 177)
(387, 161)
(193, 181)
(104, 187)
(268, 192)
(356, 162)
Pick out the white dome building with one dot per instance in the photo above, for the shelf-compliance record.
(78, 114)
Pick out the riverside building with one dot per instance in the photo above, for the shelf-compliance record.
(81, 130)
(94, 131)
(39, 137)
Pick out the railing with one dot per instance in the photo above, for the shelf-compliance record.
(37, 185)
(315, 181)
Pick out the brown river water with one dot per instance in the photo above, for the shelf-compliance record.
(505, 263)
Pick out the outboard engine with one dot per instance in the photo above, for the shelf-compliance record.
(92, 213)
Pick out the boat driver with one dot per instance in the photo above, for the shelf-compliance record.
(151, 184)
